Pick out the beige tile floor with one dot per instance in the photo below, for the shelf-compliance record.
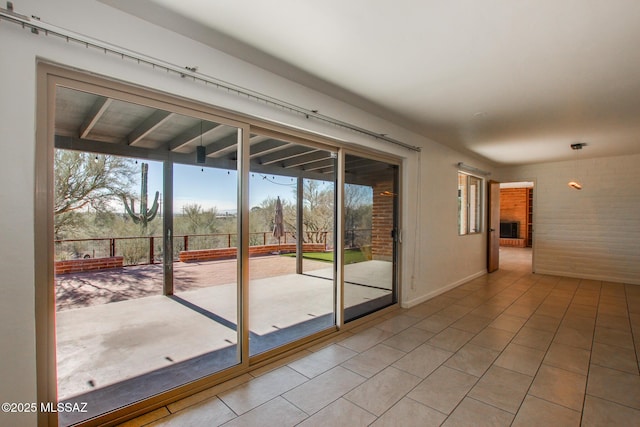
(509, 348)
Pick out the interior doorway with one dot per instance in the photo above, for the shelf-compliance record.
(517, 231)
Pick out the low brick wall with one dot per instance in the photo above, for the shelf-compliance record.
(516, 243)
(225, 253)
(87, 264)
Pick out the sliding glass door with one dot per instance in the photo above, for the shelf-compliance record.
(371, 235)
(292, 257)
(146, 264)
(187, 248)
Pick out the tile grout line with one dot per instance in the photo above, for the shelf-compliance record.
(482, 375)
(547, 351)
(443, 363)
(593, 337)
(498, 283)
(633, 337)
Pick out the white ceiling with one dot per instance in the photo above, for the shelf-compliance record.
(514, 82)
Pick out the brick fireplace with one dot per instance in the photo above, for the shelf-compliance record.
(516, 213)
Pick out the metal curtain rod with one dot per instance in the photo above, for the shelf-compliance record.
(472, 169)
(36, 26)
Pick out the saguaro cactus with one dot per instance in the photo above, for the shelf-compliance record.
(145, 215)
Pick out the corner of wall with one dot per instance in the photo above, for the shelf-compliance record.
(439, 291)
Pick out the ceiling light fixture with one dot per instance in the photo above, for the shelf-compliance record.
(575, 184)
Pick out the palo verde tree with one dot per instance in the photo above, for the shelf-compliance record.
(196, 220)
(85, 181)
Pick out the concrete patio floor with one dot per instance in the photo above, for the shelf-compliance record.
(99, 345)
(84, 289)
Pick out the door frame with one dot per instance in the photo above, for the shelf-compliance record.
(396, 276)
(493, 226)
(50, 75)
(531, 184)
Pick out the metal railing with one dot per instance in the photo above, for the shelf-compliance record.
(137, 250)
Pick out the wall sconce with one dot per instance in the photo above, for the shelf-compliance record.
(575, 184)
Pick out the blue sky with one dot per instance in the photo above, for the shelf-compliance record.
(218, 188)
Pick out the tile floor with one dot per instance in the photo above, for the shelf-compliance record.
(509, 348)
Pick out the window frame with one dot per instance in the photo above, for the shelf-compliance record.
(49, 76)
(470, 219)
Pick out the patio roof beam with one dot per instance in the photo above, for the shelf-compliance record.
(289, 153)
(306, 159)
(192, 135)
(226, 145)
(97, 110)
(274, 170)
(319, 165)
(257, 138)
(267, 146)
(151, 123)
(92, 146)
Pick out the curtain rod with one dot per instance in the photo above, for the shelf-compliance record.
(472, 169)
(37, 26)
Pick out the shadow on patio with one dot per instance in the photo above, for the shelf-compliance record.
(120, 340)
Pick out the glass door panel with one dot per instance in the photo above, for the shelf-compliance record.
(146, 264)
(291, 256)
(370, 210)
(112, 328)
(146, 287)
(205, 268)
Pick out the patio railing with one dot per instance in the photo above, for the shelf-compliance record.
(148, 249)
(137, 250)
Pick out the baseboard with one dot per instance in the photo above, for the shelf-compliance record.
(607, 278)
(433, 294)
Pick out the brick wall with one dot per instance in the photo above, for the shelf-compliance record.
(87, 264)
(513, 208)
(225, 253)
(516, 243)
(382, 224)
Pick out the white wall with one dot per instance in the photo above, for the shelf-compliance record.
(441, 259)
(593, 233)
(435, 257)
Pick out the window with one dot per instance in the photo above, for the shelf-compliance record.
(469, 199)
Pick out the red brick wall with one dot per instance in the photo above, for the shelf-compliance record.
(382, 224)
(87, 264)
(513, 207)
(213, 254)
(518, 243)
